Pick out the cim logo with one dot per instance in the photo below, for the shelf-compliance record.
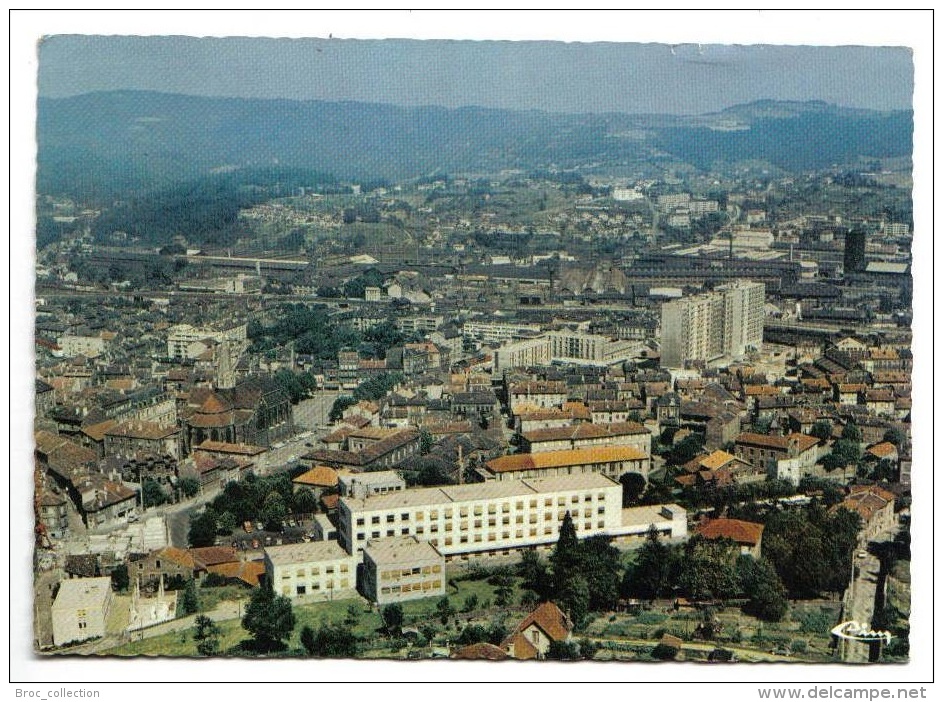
(856, 631)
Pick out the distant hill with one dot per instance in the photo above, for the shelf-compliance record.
(106, 145)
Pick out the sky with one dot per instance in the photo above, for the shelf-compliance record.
(554, 76)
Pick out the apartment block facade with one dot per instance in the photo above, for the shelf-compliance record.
(490, 518)
(402, 568)
(728, 321)
(314, 570)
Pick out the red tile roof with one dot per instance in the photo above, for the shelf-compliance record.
(739, 531)
(550, 619)
(569, 457)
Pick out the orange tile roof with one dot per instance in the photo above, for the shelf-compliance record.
(178, 556)
(214, 555)
(867, 500)
(330, 501)
(716, 460)
(319, 476)
(248, 572)
(761, 390)
(737, 530)
(226, 447)
(883, 449)
(569, 457)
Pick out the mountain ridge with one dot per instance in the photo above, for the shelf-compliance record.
(136, 140)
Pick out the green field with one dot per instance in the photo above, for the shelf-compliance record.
(368, 627)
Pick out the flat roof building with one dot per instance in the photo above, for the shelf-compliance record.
(314, 570)
(491, 518)
(402, 568)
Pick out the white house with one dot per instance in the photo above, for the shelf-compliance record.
(80, 609)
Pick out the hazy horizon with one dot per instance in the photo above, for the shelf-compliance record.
(551, 76)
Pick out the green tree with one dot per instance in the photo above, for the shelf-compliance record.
(794, 542)
(502, 596)
(471, 603)
(353, 615)
(203, 529)
(269, 619)
(896, 437)
(190, 603)
(330, 641)
(602, 568)
(650, 577)
(664, 652)
(535, 574)
(764, 588)
(566, 558)
(206, 636)
(189, 487)
(686, 449)
(226, 524)
(340, 404)
(707, 569)
(428, 631)
(152, 494)
(393, 618)
(273, 511)
(444, 610)
(304, 501)
(822, 430)
(472, 634)
(852, 433)
(563, 651)
(633, 485)
(573, 598)
(425, 442)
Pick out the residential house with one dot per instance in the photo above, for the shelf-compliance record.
(747, 535)
(787, 457)
(317, 479)
(80, 610)
(875, 506)
(532, 637)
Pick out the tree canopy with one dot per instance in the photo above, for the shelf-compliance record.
(269, 618)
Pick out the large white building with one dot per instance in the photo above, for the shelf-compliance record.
(493, 518)
(80, 609)
(498, 332)
(567, 346)
(743, 316)
(523, 354)
(314, 570)
(728, 321)
(181, 341)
